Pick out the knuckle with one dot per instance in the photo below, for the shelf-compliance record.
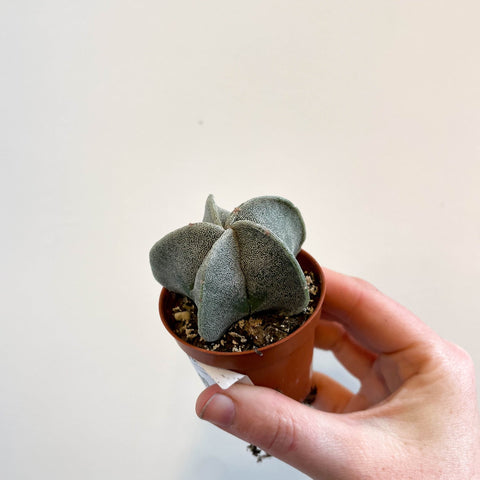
(364, 283)
(455, 361)
(461, 357)
(282, 440)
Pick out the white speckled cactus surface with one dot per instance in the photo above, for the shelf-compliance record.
(234, 264)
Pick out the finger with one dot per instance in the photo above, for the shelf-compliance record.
(330, 335)
(306, 438)
(374, 320)
(331, 396)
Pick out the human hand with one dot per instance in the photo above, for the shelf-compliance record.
(415, 415)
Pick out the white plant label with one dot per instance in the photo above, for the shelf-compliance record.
(223, 378)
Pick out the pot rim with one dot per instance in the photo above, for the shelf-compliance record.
(164, 293)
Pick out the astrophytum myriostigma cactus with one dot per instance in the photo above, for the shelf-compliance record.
(234, 264)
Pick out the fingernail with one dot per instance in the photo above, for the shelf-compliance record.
(218, 410)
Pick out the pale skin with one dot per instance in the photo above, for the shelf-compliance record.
(415, 415)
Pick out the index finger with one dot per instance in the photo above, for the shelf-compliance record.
(373, 319)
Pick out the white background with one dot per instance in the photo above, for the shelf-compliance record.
(118, 118)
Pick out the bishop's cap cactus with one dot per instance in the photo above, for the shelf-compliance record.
(234, 264)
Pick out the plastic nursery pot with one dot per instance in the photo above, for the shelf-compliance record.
(285, 365)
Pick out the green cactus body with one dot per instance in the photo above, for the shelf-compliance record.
(234, 264)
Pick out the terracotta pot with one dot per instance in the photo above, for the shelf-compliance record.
(285, 365)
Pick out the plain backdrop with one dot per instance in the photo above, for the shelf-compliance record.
(118, 118)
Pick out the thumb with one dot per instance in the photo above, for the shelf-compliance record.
(310, 440)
